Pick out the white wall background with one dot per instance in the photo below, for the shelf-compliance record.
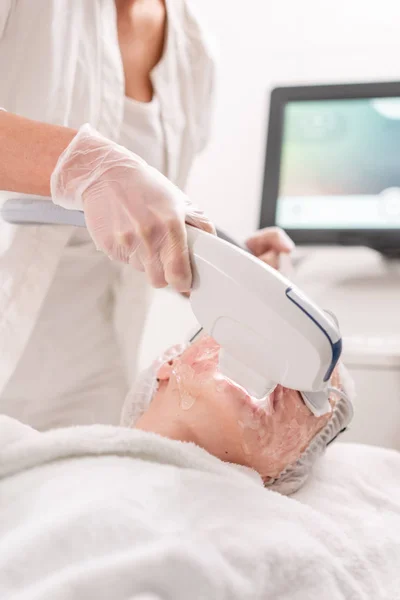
(262, 43)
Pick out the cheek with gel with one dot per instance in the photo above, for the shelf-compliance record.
(195, 372)
(290, 428)
(193, 381)
(253, 425)
(185, 384)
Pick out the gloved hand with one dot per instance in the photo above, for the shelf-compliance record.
(133, 213)
(268, 244)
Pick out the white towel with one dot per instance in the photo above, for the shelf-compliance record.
(101, 512)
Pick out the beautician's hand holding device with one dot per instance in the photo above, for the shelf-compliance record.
(133, 213)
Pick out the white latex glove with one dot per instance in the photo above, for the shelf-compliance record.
(270, 245)
(133, 213)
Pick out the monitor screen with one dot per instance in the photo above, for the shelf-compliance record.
(340, 164)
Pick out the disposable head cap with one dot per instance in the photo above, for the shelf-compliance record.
(295, 475)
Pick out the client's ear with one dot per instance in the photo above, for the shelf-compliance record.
(165, 371)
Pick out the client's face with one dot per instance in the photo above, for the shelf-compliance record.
(220, 416)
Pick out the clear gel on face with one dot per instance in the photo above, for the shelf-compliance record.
(186, 399)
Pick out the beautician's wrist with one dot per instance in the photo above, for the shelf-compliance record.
(29, 151)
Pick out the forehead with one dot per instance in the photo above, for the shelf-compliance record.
(203, 347)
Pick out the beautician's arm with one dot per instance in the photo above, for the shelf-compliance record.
(29, 151)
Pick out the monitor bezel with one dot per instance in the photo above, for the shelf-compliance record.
(380, 239)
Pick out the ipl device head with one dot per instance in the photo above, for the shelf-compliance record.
(270, 333)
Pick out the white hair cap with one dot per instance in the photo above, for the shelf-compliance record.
(296, 474)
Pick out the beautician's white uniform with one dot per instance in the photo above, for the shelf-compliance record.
(70, 320)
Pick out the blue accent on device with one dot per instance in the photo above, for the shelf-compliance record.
(335, 346)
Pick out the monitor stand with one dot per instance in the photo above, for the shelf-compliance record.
(389, 253)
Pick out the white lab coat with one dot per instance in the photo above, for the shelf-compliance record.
(60, 63)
